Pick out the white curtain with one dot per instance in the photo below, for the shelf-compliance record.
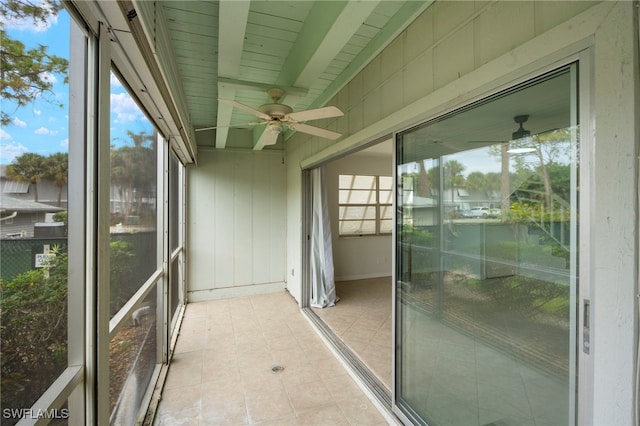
(323, 289)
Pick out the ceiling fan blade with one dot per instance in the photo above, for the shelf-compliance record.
(268, 137)
(247, 108)
(202, 129)
(314, 114)
(316, 131)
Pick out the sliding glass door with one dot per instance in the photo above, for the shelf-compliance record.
(486, 260)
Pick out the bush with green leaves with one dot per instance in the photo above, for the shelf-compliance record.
(33, 324)
(33, 318)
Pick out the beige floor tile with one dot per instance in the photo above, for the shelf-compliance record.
(309, 395)
(268, 406)
(185, 370)
(360, 411)
(221, 372)
(327, 416)
(342, 387)
(179, 406)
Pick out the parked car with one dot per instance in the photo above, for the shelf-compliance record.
(476, 212)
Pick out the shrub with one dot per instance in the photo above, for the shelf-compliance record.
(33, 318)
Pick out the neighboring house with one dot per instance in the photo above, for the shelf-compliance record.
(47, 191)
(19, 218)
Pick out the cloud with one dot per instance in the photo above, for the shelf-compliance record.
(17, 122)
(4, 135)
(11, 151)
(45, 131)
(114, 81)
(64, 143)
(124, 108)
(49, 77)
(37, 111)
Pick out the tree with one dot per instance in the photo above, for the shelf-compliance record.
(544, 149)
(453, 174)
(425, 183)
(30, 168)
(57, 170)
(25, 73)
(133, 170)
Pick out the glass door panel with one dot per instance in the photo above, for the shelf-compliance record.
(486, 260)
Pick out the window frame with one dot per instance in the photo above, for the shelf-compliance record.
(377, 205)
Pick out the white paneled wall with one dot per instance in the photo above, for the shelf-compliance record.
(236, 224)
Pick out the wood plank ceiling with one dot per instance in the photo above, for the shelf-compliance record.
(236, 50)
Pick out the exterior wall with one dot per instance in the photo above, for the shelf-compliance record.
(459, 51)
(614, 214)
(450, 50)
(236, 224)
(358, 257)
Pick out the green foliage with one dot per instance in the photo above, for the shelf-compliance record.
(33, 318)
(25, 72)
(57, 170)
(521, 212)
(28, 167)
(121, 266)
(32, 168)
(527, 295)
(409, 234)
(62, 217)
(133, 172)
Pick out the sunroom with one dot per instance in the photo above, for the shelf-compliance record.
(428, 207)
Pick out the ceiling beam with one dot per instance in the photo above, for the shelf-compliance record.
(260, 87)
(407, 14)
(232, 25)
(329, 28)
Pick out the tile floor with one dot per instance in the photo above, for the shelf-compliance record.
(221, 372)
(362, 320)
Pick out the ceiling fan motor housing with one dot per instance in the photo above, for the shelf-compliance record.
(275, 110)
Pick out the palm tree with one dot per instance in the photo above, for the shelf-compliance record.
(30, 168)
(133, 168)
(58, 171)
(453, 173)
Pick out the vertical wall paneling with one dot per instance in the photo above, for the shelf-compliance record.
(237, 225)
(222, 217)
(243, 209)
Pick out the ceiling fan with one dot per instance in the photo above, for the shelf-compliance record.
(277, 116)
(520, 133)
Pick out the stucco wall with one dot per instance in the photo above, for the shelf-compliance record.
(457, 52)
(236, 224)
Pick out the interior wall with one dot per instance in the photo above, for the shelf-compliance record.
(236, 224)
(457, 50)
(358, 257)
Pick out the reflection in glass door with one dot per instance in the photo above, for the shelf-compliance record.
(486, 260)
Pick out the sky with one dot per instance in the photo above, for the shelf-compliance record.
(43, 127)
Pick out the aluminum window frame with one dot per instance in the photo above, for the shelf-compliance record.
(582, 56)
